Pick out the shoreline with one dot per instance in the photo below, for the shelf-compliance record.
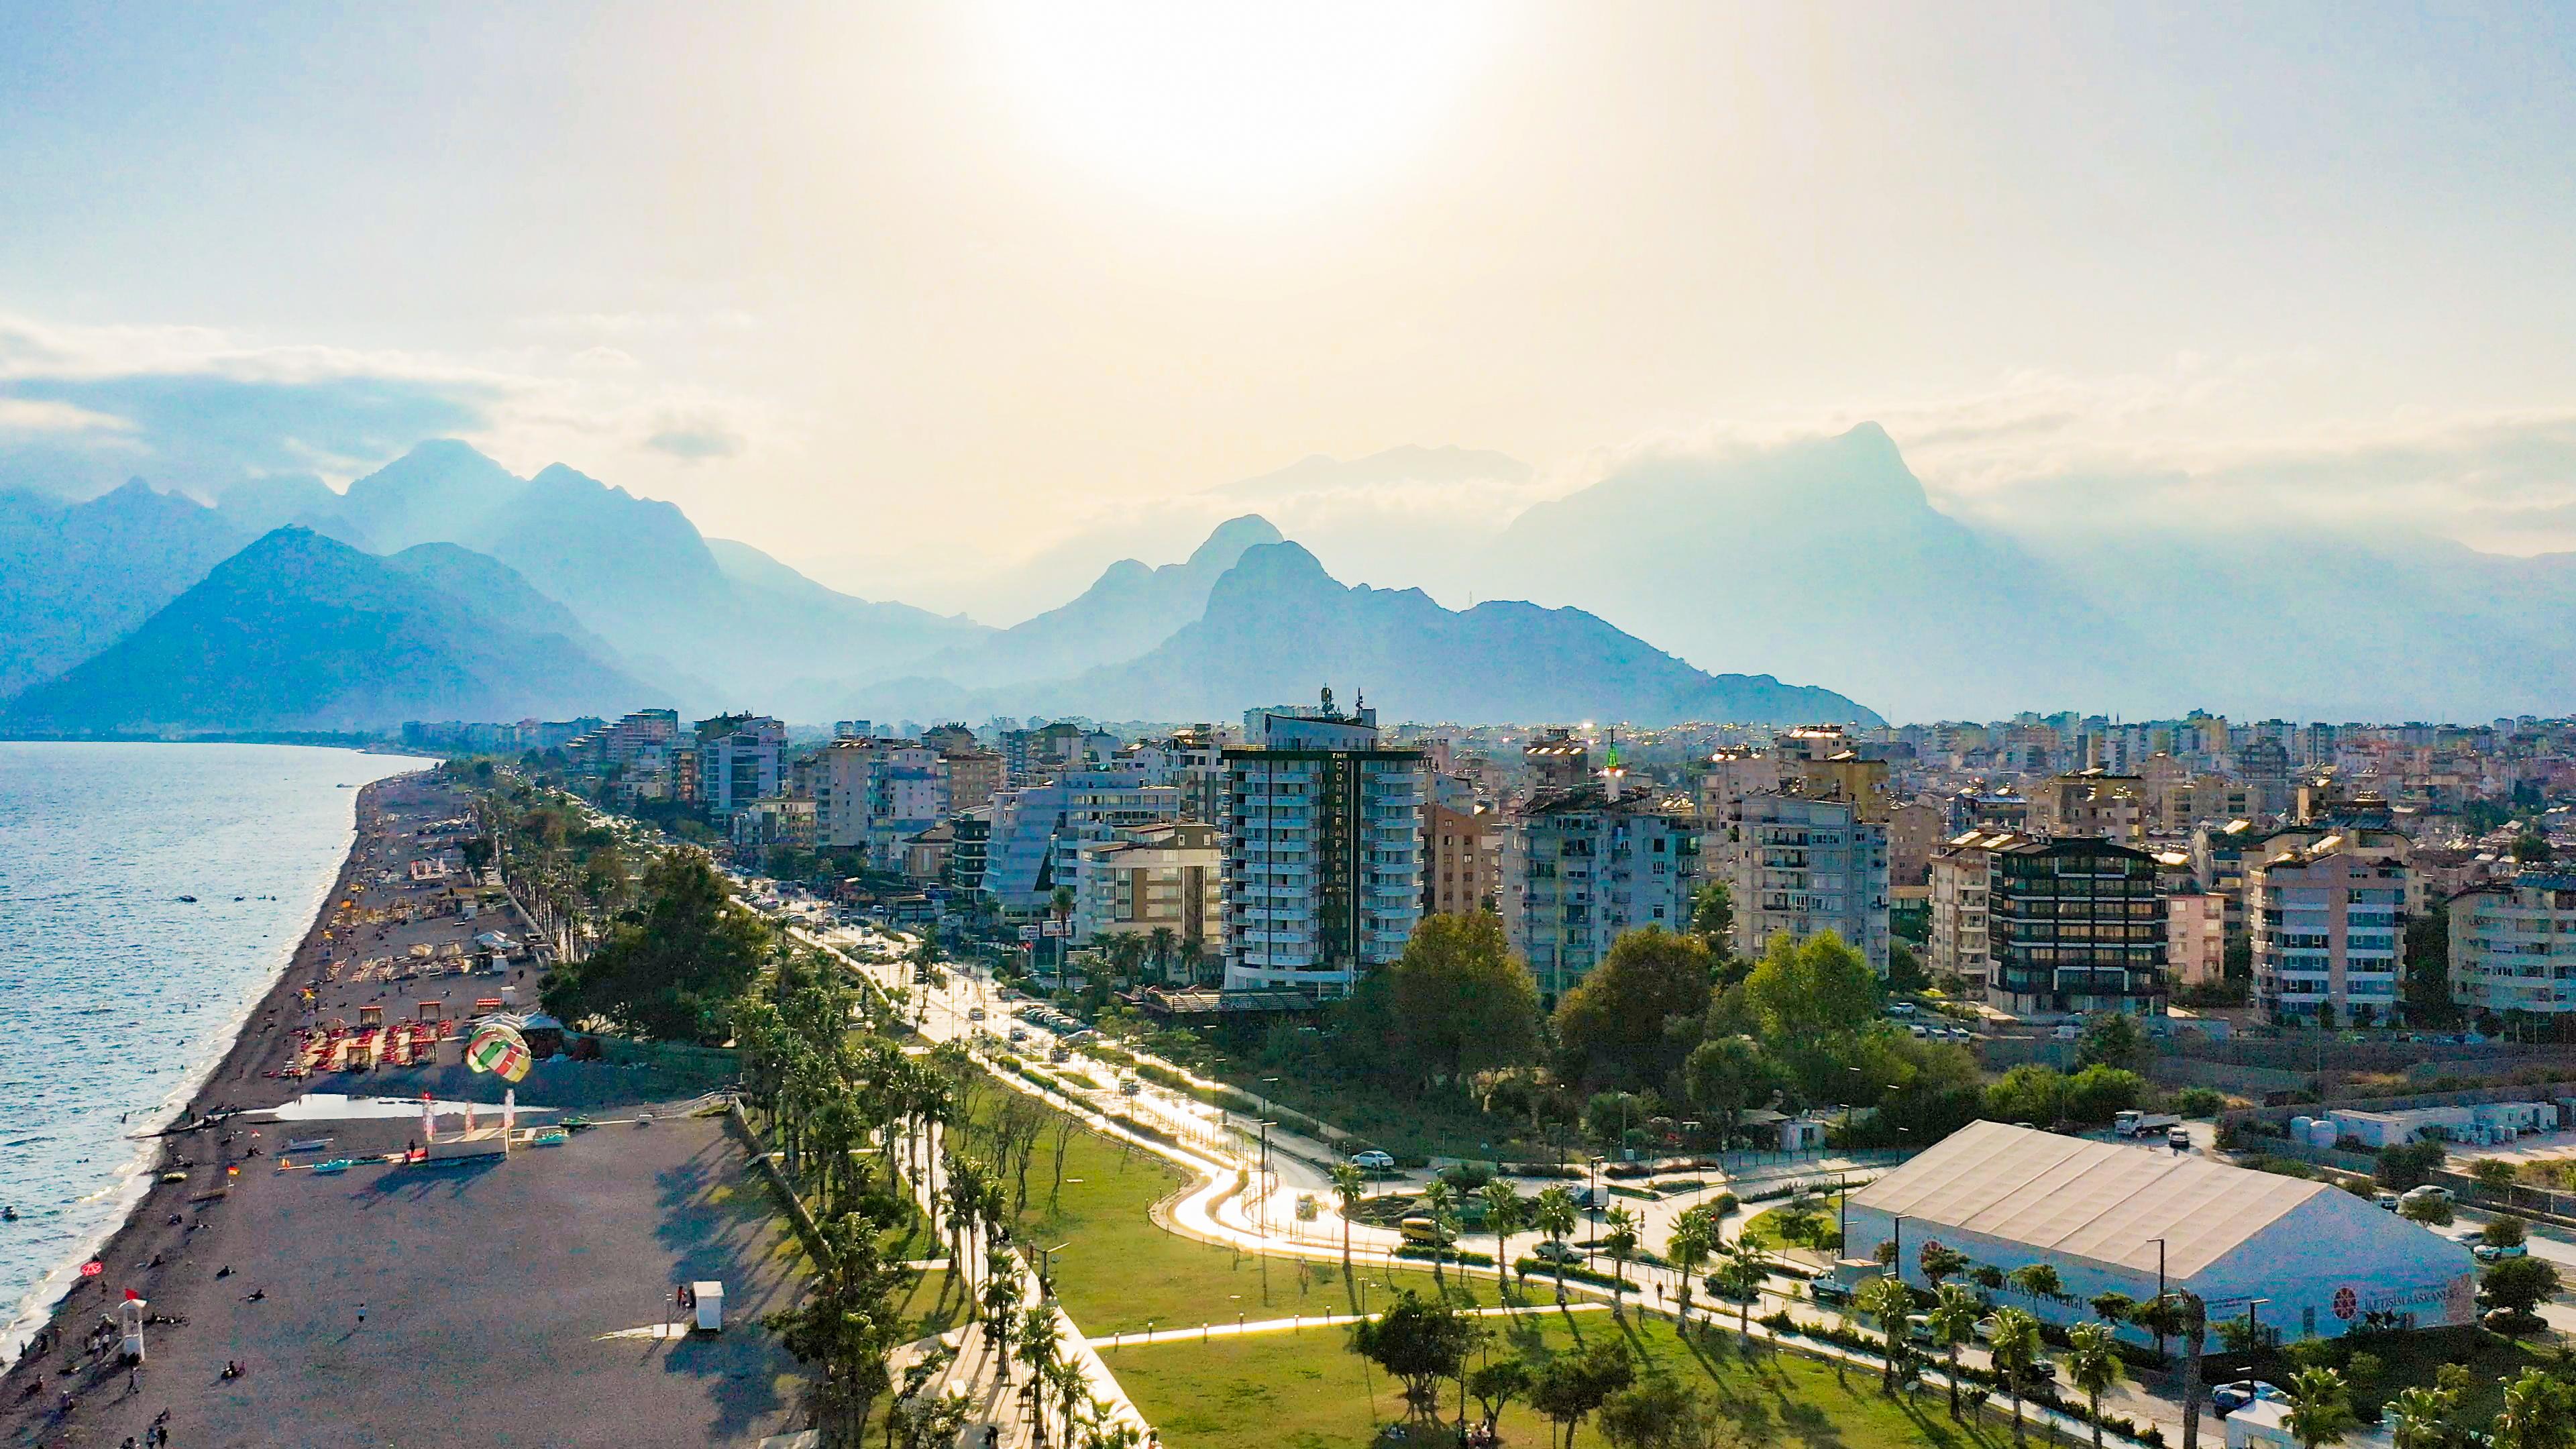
(44, 1303)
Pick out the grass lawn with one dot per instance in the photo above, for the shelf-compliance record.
(1406, 1124)
(1308, 1391)
(1118, 1272)
(1763, 1229)
(2409, 1359)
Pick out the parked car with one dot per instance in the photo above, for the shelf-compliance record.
(2427, 1193)
(2228, 1398)
(1373, 1161)
(1425, 1233)
(2387, 1201)
(2493, 1253)
(1557, 1250)
(974, 1013)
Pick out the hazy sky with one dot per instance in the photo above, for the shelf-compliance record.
(908, 293)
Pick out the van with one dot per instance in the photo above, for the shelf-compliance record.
(1424, 1233)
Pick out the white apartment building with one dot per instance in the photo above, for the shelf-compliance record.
(1582, 865)
(1161, 878)
(1038, 833)
(1961, 875)
(739, 759)
(874, 795)
(2326, 924)
(2513, 944)
(1796, 866)
(1323, 850)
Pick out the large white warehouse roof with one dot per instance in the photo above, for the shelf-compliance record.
(2104, 1201)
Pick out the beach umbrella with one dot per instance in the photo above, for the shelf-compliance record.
(499, 1050)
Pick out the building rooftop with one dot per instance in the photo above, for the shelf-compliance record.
(2109, 1202)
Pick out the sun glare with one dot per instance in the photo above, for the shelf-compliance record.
(1238, 107)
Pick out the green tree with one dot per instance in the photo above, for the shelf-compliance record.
(1694, 1236)
(672, 968)
(1890, 1302)
(1350, 1186)
(2519, 1284)
(2492, 1173)
(2424, 1417)
(1637, 1015)
(2430, 1211)
(2099, 1093)
(2111, 1038)
(2427, 980)
(1812, 988)
(2093, 1365)
(1954, 1316)
(1555, 1217)
(1940, 1264)
(1726, 1078)
(1418, 1343)
(1495, 1386)
(1571, 1386)
(2014, 1348)
(1713, 918)
(2039, 1280)
(2531, 849)
(1905, 973)
(1505, 1213)
(2320, 1409)
(1658, 1411)
(1439, 1202)
(2400, 1166)
(847, 1324)
(1742, 1277)
(2028, 1093)
(2539, 1413)
(2113, 1307)
(1621, 1241)
(1462, 1002)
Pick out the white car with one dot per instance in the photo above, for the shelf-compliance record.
(1373, 1161)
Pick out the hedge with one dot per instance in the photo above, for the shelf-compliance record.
(1451, 1255)
(1573, 1273)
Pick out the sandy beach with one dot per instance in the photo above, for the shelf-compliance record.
(530, 1267)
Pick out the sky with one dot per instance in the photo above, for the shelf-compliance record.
(955, 303)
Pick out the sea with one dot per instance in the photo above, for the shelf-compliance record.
(116, 995)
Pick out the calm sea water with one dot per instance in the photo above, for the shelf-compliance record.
(116, 998)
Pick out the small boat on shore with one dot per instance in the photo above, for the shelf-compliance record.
(187, 900)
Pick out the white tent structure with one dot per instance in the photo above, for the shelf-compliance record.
(2308, 1259)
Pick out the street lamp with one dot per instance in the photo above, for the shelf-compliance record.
(2160, 1295)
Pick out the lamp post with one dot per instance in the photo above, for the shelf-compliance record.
(2253, 1333)
(2160, 1295)
(1896, 1227)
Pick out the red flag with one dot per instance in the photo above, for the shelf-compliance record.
(92, 1268)
(133, 1297)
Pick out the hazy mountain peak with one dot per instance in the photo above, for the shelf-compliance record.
(558, 475)
(1226, 543)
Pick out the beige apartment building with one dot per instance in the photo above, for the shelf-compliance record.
(1457, 868)
(1961, 871)
(1160, 877)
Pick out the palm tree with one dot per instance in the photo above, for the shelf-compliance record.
(2014, 1347)
(1621, 1240)
(2539, 1413)
(1439, 1202)
(1889, 1301)
(1001, 1295)
(1743, 1276)
(2320, 1410)
(1940, 1264)
(1163, 938)
(2420, 1418)
(1503, 1210)
(1555, 1218)
(2093, 1362)
(1036, 1346)
(1687, 1249)
(1350, 1185)
(1954, 1316)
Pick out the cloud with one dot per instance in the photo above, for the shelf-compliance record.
(83, 408)
(697, 444)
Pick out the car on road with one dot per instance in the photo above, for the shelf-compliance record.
(1425, 1233)
(2228, 1398)
(2387, 1201)
(1556, 1250)
(2427, 1193)
(2498, 1252)
(974, 1013)
(1373, 1161)
(1019, 1033)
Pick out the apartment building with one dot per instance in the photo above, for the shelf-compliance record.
(1457, 879)
(973, 775)
(1037, 834)
(2513, 945)
(2196, 937)
(2326, 924)
(1795, 866)
(1582, 864)
(2074, 925)
(873, 795)
(1323, 849)
(740, 757)
(1960, 872)
(1160, 878)
(2093, 802)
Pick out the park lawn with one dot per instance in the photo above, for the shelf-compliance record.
(2410, 1359)
(1408, 1125)
(1119, 1272)
(1763, 1229)
(1306, 1390)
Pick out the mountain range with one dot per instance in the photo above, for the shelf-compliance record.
(302, 632)
(420, 591)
